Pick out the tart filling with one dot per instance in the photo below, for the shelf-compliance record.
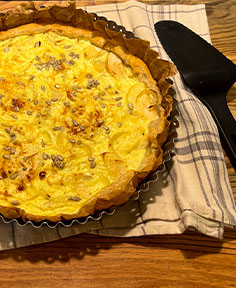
(81, 123)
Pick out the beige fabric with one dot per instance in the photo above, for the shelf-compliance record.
(193, 192)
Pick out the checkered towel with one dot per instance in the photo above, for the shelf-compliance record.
(193, 192)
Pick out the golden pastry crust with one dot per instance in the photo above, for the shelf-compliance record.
(124, 56)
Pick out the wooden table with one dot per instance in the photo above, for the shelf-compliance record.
(188, 260)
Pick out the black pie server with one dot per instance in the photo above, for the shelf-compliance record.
(206, 71)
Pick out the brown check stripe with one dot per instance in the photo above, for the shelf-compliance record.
(193, 192)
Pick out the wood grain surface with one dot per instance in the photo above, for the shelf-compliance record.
(188, 260)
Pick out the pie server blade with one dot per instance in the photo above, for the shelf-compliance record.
(206, 71)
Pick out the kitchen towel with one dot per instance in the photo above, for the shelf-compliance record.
(193, 191)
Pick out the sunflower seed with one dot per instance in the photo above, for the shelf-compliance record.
(92, 164)
(29, 112)
(13, 150)
(102, 105)
(71, 62)
(102, 93)
(92, 83)
(15, 202)
(37, 44)
(7, 148)
(130, 106)
(119, 124)
(82, 128)
(8, 130)
(13, 176)
(13, 137)
(72, 141)
(91, 159)
(74, 198)
(118, 98)
(66, 47)
(43, 88)
(42, 175)
(59, 157)
(54, 99)
(62, 55)
(1, 96)
(107, 129)
(75, 123)
(38, 115)
(6, 156)
(43, 144)
(37, 58)
(89, 76)
(53, 157)
(100, 122)
(14, 116)
(45, 156)
(20, 83)
(31, 77)
(48, 103)
(71, 54)
(36, 102)
(67, 104)
(95, 97)
(57, 128)
(79, 87)
(79, 142)
(59, 164)
(119, 104)
(57, 86)
(73, 110)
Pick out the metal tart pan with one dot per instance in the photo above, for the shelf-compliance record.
(168, 151)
